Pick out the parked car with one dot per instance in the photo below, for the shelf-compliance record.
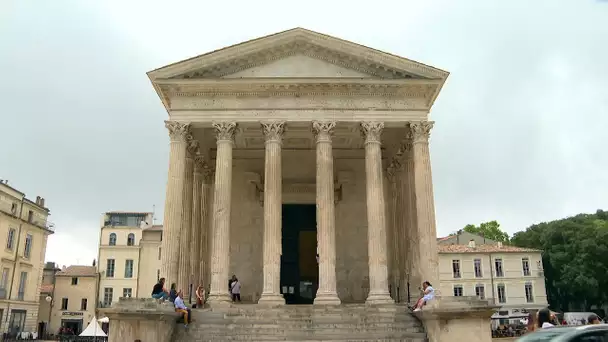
(590, 333)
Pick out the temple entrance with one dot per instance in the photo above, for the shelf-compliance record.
(299, 267)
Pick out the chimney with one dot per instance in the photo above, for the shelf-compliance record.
(499, 244)
(472, 243)
(41, 202)
(38, 200)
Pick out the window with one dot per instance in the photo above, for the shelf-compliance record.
(131, 239)
(529, 293)
(159, 249)
(112, 241)
(14, 208)
(525, 265)
(128, 268)
(110, 268)
(592, 336)
(64, 303)
(108, 293)
(27, 251)
(480, 291)
(127, 292)
(74, 281)
(22, 283)
(157, 275)
(10, 240)
(83, 304)
(502, 293)
(456, 268)
(30, 216)
(498, 265)
(4, 281)
(458, 291)
(477, 267)
(125, 220)
(17, 321)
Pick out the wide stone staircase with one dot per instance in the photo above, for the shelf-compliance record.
(351, 322)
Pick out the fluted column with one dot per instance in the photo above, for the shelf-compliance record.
(178, 133)
(400, 226)
(376, 220)
(184, 277)
(204, 255)
(410, 240)
(271, 293)
(393, 250)
(326, 220)
(197, 220)
(428, 259)
(220, 250)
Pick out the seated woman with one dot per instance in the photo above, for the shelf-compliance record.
(200, 296)
(173, 293)
(428, 293)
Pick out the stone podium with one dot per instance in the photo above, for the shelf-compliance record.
(145, 319)
(457, 319)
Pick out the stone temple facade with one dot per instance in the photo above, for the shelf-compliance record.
(300, 163)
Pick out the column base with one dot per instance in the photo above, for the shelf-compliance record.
(219, 299)
(271, 299)
(327, 299)
(379, 298)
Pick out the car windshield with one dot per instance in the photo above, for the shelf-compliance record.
(545, 334)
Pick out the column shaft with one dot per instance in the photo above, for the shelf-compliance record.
(172, 222)
(271, 293)
(185, 273)
(205, 250)
(197, 220)
(392, 233)
(428, 259)
(376, 220)
(326, 224)
(222, 196)
(399, 228)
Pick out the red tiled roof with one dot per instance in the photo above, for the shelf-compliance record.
(78, 271)
(46, 288)
(483, 249)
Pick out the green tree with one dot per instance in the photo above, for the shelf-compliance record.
(490, 230)
(575, 259)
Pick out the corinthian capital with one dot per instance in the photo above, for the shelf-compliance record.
(323, 130)
(421, 131)
(192, 146)
(178, 131)
(224, 131)
(273, 131)
(372, 131)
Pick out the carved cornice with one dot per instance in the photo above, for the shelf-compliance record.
(224, 131)
(421, 131)
(178, 131)
(323, 130)
(273, 131)
(372, 131)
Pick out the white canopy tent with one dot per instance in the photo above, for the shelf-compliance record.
(93, 329)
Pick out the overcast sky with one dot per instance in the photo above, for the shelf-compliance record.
(520, 131)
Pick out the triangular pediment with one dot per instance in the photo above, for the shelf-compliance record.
(298, 53)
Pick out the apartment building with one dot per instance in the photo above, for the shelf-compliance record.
(129, 255)
(509, 276)
(24, 230)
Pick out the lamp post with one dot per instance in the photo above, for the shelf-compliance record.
(49, 300)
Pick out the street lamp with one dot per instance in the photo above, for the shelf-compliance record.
(48, 299)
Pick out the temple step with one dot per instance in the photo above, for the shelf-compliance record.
(302, 323)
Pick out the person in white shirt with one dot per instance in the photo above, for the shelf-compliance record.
(544, 319)
(235, 290)
(181, 307)
(428, 293)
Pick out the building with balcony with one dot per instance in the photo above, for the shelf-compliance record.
(24, 230)
(509, 276)
(129, 256)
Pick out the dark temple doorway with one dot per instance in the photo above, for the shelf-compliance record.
(299, 267)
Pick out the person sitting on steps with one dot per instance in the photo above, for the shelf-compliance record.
(182, 308)
(428, 293)
(159, 291)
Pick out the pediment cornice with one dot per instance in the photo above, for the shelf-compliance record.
(298, 41)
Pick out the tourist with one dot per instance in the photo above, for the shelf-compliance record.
(428, 293)
(181, 307)
(173, 293)
(159, 291)
(544, 319)
(593, 319)
(230, 281)
(200, 296)
(235, 289)
(530, 325)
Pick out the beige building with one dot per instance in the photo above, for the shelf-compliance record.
(512, 277)
(299, 162)
(73, 299)
(47, 286)
(24, 230)
(128, 241)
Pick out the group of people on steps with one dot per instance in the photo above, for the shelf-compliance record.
(159, 291)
